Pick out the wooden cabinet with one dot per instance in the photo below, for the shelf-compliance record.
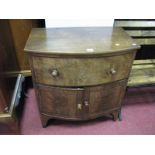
(80, 103)
(67, 69)
(80, 73)
(143, 32)
(14, 34)
(61, 102)
(13, 63)
(10, 91)
(106, 98)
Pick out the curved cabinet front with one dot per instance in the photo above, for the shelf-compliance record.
(80, 73)
(76, 72)
(60, 102)
(80, 103)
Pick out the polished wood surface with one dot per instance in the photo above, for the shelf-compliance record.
(79, 71)
(80, 103)
(84, 40)
(106, 97)
(60, 102)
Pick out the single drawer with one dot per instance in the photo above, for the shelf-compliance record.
(81, 71)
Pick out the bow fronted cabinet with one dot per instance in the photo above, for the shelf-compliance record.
(80, 73)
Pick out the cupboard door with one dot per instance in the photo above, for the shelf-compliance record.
(60, 102)
(105, 98)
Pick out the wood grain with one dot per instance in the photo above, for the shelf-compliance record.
(79, 41)
(106, 97)
(14, 34)
(81, 71)
(62, 103)
(74, 84)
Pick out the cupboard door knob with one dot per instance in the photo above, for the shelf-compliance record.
(6, 109)
(54, 72)
(113, 71)
(86, 103)
(79, 106)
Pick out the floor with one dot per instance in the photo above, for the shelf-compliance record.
(138, 113)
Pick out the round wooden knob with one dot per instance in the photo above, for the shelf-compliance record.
(6, 109)
(113, 71)
(79, 106)
(54, 73)
(86, 103)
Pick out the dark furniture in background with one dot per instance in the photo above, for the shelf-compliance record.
(143, 32)
(14, 34)
(14, 67)
(10, 92)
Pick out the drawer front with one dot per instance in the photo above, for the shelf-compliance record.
(106, 98)
(60, 102)
(81, 71)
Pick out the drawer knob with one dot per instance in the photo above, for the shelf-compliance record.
(54, 73)
(113, 71)
(86, 103)
(79, 106)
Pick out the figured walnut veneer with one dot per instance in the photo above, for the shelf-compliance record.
(80, 73)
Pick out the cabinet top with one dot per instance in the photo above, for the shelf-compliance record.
(79, 40)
